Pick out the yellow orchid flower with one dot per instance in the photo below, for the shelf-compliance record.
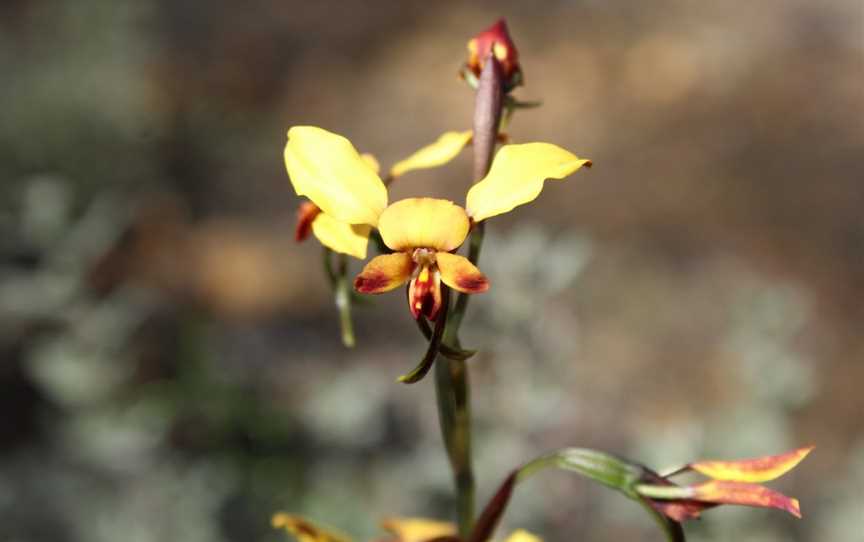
(402, 529)
(422, 232)
(345, 237)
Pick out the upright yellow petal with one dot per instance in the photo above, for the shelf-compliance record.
(521, 535)
(341, 237)
(517, 176)
(423, 223)
(446, 148)
(418, 530)
(327, 169)
(760, 469)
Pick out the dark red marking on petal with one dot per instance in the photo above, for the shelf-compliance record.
(475, 284)
(370, 283)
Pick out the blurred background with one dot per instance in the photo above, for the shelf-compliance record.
(170, 363)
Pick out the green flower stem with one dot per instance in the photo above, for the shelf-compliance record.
(454, 414)
(452, 385)
(343, 302)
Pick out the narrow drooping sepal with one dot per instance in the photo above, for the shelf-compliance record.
(460, 274)
(425, 364)
(760, 469)
(327, 169)
(449, 352)
(384, 273)
(517, 176)
(444, 149)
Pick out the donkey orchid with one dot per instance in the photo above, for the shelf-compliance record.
(422, 232)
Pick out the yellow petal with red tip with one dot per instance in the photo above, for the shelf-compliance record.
(341, 237)
(516, 177)
(423, 223)
(446, 148)
(460, 274)
(327, 169)
(521, 535)
(744, 494)
(304, 530)
(418, 530)
(760, 469)
(383, 273)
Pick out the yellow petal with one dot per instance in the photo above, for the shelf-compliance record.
(521, 535)
(327, 169)
(304, 530)
(760, 469)
(460, 274)
(423, 223)
(446, 148)
(517, 176)
(371, 161)
(383, 273)
(341, 237)
(418, 530)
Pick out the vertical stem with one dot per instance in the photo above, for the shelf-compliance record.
(452, 385)
(454, 414)
(343, 302)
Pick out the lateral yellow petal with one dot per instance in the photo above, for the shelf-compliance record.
(760, 469)
(304, 530)
(418, 530)
(326, 168)
(516, 177)
(423, 223)
(445, 148)
(521, 535)
(460, 274)
(383, 273)
(341, 237)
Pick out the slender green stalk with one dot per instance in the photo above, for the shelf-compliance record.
(452, 384)
(454, 413)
